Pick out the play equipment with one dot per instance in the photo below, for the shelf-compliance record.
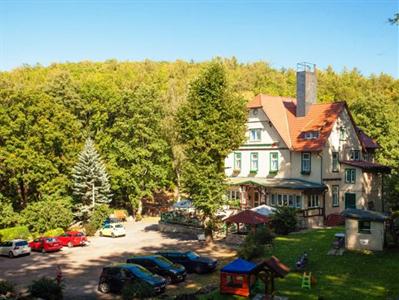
(306, 280)
(302, 262)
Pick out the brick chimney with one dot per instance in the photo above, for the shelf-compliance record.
(306, 88)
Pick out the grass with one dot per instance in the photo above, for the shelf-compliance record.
(355, 275)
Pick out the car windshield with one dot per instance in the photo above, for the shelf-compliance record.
(118, 226)
(192, 255)
(51, 240)
(79, 234)
(162, 262)
(21, 243)
(140, 272)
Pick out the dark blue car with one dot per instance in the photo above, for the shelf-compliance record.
(160, 265)
(114, 277)
(190, 260)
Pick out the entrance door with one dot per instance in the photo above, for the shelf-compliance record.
(350, 200)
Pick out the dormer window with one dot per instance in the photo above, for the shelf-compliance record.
(311, 135)
(255, 135)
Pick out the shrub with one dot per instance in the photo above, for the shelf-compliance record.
(284, 220)
(18, 232)
(254, 243)
(6, 287)
(54, 232)
(137, 290)
(8, 218)
(90, 229)
(46, 288)
(263, 235)
(99, 214)
(47, 214)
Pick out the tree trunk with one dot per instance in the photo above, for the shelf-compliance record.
(178, 185)
(22, 193)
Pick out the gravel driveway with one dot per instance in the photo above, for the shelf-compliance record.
(81, 266)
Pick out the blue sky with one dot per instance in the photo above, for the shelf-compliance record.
(338, 33)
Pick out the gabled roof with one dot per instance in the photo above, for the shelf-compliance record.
(276, 112)
(281, 111)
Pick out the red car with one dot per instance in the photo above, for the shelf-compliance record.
(73, 238)
(45, 244)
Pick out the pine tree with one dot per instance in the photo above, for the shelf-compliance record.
(91, 182)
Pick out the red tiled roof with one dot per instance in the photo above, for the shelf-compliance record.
(282, 113)
(249, 217)
(367, 166)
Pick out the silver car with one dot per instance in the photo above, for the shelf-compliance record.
(14, 248)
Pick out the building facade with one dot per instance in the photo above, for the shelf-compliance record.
(307, 155)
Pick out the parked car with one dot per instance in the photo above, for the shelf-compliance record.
(160, 265)
(14, 248)
(114, 277)
(113, 230)
(45, 244)
(73, 238)
(190, 260)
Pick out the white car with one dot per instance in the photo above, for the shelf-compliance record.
(14, 248)
(113, 229)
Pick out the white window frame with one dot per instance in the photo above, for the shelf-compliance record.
(255, 134)
(335, 195)
(313, 201)
(237, 161)
(254, 162)
(308, 160)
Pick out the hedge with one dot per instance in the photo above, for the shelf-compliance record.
(18, 232)
(53, 232)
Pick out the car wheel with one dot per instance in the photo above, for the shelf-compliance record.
(198, 269)
(103, 287)
(10, 254)
(70, 245)
(168, 279)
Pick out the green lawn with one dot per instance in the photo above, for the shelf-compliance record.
(354, 275)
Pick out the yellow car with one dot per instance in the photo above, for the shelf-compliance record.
(113, 230)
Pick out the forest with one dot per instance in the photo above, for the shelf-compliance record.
(130, 109)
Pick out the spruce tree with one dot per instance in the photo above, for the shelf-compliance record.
(91, 182)
(211, 125)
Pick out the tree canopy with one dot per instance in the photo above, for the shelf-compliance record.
(130, 109)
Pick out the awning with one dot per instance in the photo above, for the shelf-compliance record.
(282, 183)
(248, 216)
(367, 166)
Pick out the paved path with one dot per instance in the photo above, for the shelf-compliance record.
(82, 266)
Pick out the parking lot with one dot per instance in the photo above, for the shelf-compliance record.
(82, 266)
